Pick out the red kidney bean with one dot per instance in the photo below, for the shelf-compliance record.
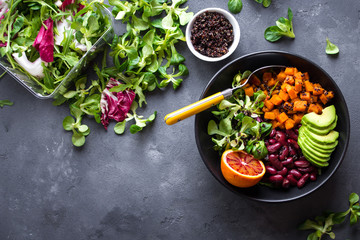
(286, 183)
(292, 134)
(289, 162)
(273, 132)
(296, 130)
(292, 179)
(283, 171)
(273, 157)
(284, 153)
(271, 170)
(313, 177)
(293, 143)
(274, 147)
(285, 164)
(302, 158)
(292, 151)
(301, 164)
(295, 173)
(277, 179)
(274, 160)
(306, 169)
(280, 137)
(272, 141)
(303, 180)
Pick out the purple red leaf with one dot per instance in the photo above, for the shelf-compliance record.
(115, 105)
(44, 41)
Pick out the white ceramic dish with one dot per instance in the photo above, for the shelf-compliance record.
(236, 31)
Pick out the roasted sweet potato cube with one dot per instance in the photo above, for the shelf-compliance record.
(298, 85)
(305, 96)
(289, 71)
(281, 76)
(276, 100)
(289, 80)
(283, 95)
(323, 99)
(329, 94)
(255, 80)
(249, 91)
(318, 91)
(292, 93)
(300, 106)
(269, 115)
(298, 75)
(268, 104)
(289, 124)
(267, 76)
(297, 117)
(308, 86)
(282, 117)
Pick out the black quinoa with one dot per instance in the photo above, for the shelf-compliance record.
(212, 34)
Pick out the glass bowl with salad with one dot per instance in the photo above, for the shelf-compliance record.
(44, 45)
(294, 121)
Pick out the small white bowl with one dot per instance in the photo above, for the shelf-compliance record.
(236, 31)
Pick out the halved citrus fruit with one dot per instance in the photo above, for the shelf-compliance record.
(241, 169)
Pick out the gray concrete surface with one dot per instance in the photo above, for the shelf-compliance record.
(154, 185)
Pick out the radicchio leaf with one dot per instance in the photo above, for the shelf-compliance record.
(68, 2)
(44, 42)
(115, 105)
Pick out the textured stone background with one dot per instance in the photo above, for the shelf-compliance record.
(154, 185)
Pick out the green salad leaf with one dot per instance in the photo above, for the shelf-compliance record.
(235, 6)
(6, 103)
(265, 3)
(145, 58)
(323, 225)
(236, 126)
(331, 48)
(73, 29)
(284, 27)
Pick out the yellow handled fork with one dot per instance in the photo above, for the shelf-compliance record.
(197, 107)
(212, 100)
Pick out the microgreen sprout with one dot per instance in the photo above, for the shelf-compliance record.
(323, 225)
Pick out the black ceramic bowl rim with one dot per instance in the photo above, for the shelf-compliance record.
(312, 186)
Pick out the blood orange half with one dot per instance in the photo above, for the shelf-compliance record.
(241, 169)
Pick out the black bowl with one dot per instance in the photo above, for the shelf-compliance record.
(223, 80)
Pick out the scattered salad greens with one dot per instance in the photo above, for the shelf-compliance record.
(284, 27)
(237, 127)
(98, 102)
(145, 58)
(46, 39)
(331, 48)
(5, 103)
(265, 3)
(146, 52)
(323, 225)
(235, 6)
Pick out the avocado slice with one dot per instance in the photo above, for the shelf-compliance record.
(321, 131)
(315, 161)
(315, 147)
(325, 147)
(311, 151)
(323, 120)
(330, 138)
